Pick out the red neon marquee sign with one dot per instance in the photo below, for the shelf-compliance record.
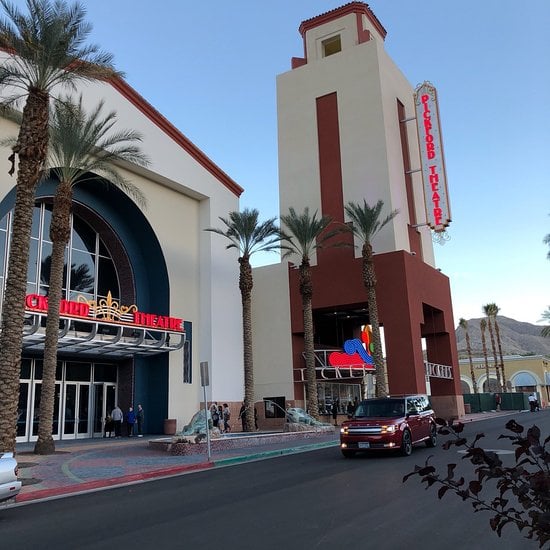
(436, 200)
(106, 310)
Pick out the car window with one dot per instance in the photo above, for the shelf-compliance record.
(413, 405)
(389, 408)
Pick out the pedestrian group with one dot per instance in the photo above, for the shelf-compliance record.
(115, 420)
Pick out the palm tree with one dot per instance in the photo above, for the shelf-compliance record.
(483, 327)
(82, 147)
(463, 324)
(366, 224)
(546, 317)
(488, 310)
(248, 236)
(45, 49)
(307, 234)
(494, 309)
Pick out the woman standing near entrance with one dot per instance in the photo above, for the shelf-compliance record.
(130, 421)
(140, 416)
(117, 417)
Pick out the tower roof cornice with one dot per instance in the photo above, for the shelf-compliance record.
(352, 7)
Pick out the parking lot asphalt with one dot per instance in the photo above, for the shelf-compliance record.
(85, 465)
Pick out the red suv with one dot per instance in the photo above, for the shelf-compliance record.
(389, 423)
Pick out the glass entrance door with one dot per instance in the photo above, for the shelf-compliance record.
(76, 419)
(104, 403)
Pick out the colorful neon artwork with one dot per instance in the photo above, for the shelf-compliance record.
(357, 353)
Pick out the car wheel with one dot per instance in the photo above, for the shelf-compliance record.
(432, 440)
(348, 454)
(406, 444)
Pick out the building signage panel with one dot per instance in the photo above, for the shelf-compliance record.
(436, 199)
(106, 310)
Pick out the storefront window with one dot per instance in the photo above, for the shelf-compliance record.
(78, 372)
(328, 394)
(90, 275)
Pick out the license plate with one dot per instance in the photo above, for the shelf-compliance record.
(363, 444)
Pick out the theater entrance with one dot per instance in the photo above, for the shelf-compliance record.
(84, 394)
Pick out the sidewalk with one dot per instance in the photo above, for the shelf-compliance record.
(92, 464)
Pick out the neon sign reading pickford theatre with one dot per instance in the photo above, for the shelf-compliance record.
(438, 213)
(105, 326)
(107, 310)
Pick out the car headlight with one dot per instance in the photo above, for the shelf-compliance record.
(344, 430)
(389, 429)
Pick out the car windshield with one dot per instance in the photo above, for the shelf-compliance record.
(391, 408)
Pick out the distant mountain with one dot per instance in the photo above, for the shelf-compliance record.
(517, 338)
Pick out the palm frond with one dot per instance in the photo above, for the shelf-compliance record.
(305, 234)
(84, 145)
(247, 235)
(47, 46)
(366, 222)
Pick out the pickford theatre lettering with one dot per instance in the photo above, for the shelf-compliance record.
(66, 307)
(158, 321)
(106, 311)
(430, 155)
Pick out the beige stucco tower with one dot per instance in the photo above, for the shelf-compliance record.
(347, 133)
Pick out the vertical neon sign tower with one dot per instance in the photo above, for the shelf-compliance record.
(344, 136)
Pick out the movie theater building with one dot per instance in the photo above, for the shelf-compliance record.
(148, 294)
(347, 124)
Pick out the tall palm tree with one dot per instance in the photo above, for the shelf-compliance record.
(488, 310)
(307, 233)
(463, 324)
(248, 236)
(45, 49)
(366, 223)
(494, 309)
(546, 317)
(82, 147)
(483, 328)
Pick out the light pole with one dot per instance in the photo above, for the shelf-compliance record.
(205, 381)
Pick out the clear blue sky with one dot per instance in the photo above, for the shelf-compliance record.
(210, 68)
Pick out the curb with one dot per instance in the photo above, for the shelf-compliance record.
(275, 453)
(90, 486)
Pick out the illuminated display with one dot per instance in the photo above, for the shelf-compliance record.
(106, 310)
(438, 215)
(357, 353)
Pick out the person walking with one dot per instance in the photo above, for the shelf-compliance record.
(117, 416)
(532, 402)
(214, 416)
(140, 417)
(226, 418)
(220, 419)
(242, 416)
(108, 426)
(335, 407)
(130, 421)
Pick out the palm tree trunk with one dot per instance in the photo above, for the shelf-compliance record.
(494, 347)
(497, 330)
(484, 346)
(309, 348)
(469, 351)
(369, 281)
(245, 285)
(31, 149)
(59, 233)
